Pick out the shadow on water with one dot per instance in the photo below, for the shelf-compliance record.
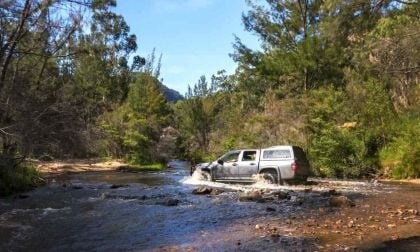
(152, 211)
(410, 244)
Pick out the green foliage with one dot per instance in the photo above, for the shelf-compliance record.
(149, 167)
(334, 152)
(133, 129)
(16, 175)
(401, 157)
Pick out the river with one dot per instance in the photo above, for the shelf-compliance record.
(156, 211)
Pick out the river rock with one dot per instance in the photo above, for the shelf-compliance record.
(341, 201)
(216, 191)
(297, 201)
(21, 196)
(251, 196)
(281, 195)
(331, 192)
(116, 186)
(202, 190)
(170, 202)
(143, 197)
(270, 209)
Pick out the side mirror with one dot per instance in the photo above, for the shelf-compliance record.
(220, 162)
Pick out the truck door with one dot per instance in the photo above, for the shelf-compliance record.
(248, 164)
(229, 169)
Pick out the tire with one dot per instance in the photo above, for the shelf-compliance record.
(270, 177)
(206, 176)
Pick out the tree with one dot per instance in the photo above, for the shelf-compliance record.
(56, 73)
(135, 129)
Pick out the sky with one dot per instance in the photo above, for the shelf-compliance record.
(194, 36)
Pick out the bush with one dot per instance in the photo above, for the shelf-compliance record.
(340, 153)
(401, 157)
(16, 176)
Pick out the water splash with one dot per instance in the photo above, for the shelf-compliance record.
(316, 184)
(197, 178)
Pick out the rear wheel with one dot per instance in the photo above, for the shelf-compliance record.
(270, 177)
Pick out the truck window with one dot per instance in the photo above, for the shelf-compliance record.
(276, 154)
(231, 157)
(249, 156)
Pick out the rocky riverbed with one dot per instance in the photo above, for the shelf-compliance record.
(171, 211)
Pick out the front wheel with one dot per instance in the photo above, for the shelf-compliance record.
(206, 176)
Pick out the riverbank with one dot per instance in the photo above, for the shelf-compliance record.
(409, 181)
(60, 167)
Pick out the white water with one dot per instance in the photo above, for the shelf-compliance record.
(323, 184)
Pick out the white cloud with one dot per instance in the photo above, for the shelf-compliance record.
(179, 5)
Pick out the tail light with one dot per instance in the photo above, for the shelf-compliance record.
(294, 167)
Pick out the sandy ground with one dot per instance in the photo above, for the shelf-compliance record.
(412, 181)
(59, 167)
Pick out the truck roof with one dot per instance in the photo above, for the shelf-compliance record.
(245, 150)
(280, 147)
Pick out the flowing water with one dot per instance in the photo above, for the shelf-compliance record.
(155, 211)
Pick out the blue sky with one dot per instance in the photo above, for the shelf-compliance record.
(194, 36)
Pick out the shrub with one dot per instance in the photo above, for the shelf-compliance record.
(16, 176)
(401, 157)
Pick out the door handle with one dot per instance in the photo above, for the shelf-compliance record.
(234, 164)
(252, 163)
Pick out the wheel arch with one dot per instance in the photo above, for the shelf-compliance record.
(209, 171)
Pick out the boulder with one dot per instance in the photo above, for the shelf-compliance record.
(341, 201)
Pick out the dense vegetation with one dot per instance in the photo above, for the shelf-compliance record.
(339, 78)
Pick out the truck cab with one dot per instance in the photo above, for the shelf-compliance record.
(237, 165)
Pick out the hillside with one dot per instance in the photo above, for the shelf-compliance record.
(171, 95)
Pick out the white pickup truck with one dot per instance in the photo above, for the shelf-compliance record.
(275, 164)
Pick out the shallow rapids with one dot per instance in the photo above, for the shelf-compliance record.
(320, 185)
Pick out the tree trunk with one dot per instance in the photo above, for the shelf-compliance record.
(14, 39)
